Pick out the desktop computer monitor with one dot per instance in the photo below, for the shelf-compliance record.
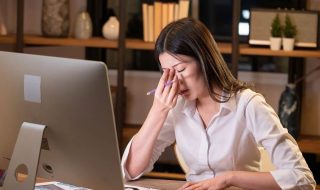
(71, 98)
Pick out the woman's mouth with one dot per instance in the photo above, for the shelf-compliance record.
(182, 92)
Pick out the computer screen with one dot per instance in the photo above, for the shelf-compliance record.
(71, 98)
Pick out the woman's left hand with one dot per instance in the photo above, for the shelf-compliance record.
(217, 183)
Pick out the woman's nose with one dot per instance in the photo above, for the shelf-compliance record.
(178, 75)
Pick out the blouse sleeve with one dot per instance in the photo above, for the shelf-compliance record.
(166, 138)
(292, 171)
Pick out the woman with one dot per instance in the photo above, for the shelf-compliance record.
(215, 120)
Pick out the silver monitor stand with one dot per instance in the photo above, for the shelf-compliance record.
(25, 155)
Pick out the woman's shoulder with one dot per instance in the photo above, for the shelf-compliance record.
(247, 92)
(246, 95)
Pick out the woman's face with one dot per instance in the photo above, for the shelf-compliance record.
(191, 81)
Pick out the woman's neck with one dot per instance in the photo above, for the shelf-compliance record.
(207, 108)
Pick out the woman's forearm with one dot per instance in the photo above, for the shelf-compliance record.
(252, 180)
(143, 142)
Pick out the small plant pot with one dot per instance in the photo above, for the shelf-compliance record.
(275, 43)
(288, 44)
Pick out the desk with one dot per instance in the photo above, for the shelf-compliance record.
(154, 183)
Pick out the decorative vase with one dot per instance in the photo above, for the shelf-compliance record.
(110, 29)
(55, 18)
(83, 26)
(288, 44)
(275, 43)
(289, 109)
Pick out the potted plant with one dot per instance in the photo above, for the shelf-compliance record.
(289, 33)
(276, 32)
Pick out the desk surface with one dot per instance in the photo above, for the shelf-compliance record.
(162, 184)
(154, 183)
(158, 183)
(169, 184)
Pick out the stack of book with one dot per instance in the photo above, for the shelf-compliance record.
(158, 13)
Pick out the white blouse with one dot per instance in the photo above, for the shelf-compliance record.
(230, 142)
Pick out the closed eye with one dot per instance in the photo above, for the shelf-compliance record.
(180, 70)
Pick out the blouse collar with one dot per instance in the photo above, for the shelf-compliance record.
(189, 107)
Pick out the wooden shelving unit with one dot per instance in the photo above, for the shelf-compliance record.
(308, 144)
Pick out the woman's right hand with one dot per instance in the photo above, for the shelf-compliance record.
(165, 97)
(142, 146)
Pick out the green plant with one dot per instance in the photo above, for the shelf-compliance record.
(276, 28)
(290, 30)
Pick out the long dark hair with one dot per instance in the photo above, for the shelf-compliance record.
(190, 37)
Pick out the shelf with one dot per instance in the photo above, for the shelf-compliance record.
(100, 42)
(9, 39)
(97, 42)
(309, 144)
(139, 44)
(265, 51)
(225, 48)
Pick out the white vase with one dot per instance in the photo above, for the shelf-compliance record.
(83, 26)
(288, 44)
(275, 43)
(110, 29)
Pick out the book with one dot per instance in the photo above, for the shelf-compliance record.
(164, 14)
(176, 11)
(145, 21)
(183, 8)
(150, 24)
(157, 18)
(170, 12)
